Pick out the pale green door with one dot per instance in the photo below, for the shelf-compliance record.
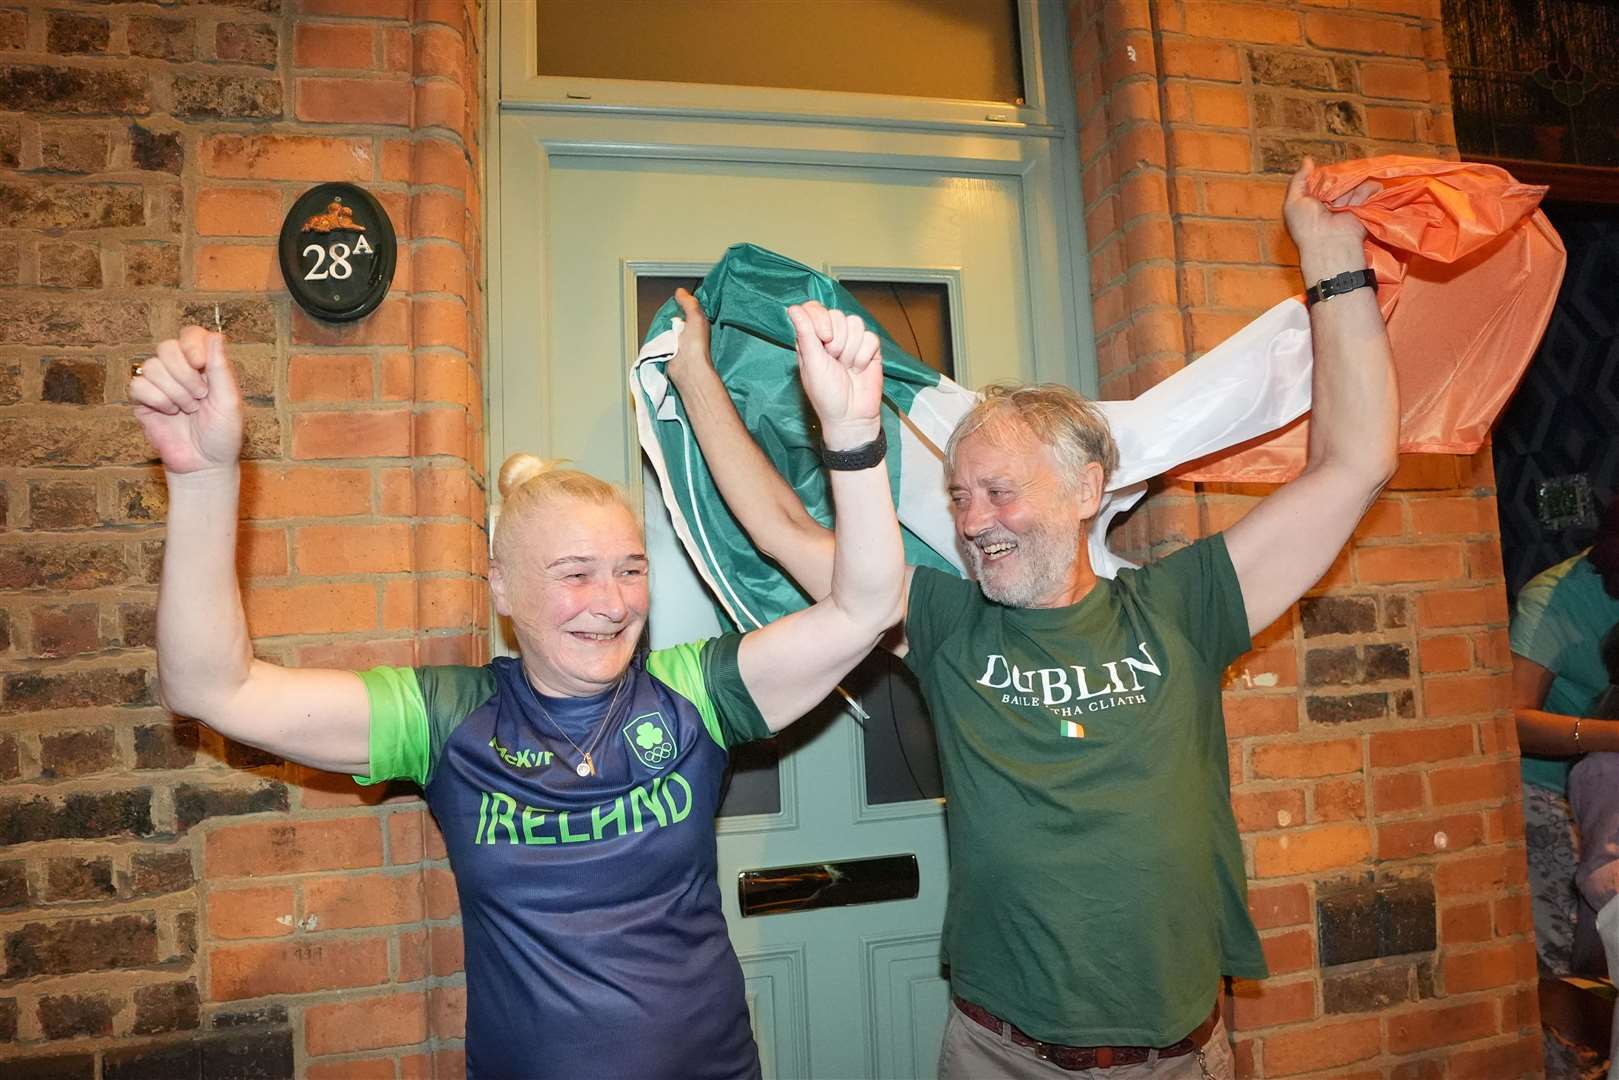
(837, 992)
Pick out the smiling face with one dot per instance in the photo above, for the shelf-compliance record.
(575, 589)
(1019, 521)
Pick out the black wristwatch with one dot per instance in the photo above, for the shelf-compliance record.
(861, 457)
(1348, 281)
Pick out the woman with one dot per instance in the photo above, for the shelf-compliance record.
(576, 787)
(1558, 673)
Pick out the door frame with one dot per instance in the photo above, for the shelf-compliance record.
(1040, 151)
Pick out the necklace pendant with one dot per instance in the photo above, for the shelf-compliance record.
(586, 767)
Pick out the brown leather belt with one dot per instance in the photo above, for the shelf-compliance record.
(1075, 1058)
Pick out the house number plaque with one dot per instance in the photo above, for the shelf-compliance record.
(338, 252)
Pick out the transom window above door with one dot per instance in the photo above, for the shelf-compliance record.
(973, 62)
(961, 49)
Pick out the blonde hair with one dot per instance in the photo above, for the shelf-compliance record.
(1059, 418)
(527, 483)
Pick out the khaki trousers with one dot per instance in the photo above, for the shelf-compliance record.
(972, 1052)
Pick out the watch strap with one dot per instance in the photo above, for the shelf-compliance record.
(1348, 281)
(859, 457)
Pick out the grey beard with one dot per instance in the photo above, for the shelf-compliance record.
(1046, 558)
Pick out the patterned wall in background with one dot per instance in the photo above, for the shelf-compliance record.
(1564, 419)
(1535, 79)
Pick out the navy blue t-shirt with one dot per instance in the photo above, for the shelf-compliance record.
(595, 943)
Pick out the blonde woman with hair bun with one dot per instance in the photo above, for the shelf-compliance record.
(575, 785)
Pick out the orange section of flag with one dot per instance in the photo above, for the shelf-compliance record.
(1468, 270)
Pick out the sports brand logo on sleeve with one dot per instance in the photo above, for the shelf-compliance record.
(651, 740)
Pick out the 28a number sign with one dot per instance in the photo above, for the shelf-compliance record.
(338, 252)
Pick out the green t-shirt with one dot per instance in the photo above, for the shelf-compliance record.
(1559, 622)
(1097, 890)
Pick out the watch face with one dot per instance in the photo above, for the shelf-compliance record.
(338, 252)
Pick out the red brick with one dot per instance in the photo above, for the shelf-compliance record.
(1489, 873)
(263, 850)
(1385, 37)
(295, 967)
(1513, 915)
(354, 101)
(1490, 782)
(370, 433)
(1394, 748)
(1285, 760)
(261, 553)
(1339, 800)
(441, 324)
(1487, 968)
(237, 268)
(270, 492)
(388, 325)
(1444, 653)
(364, 9)
(1464, 923)
(1280, 905)
(1289, 952)
(376, 1068)
(1452, 516)
(1394, 125)
(1406, 81)
(1460, 695)
(1462, 607)
(287, 157)
(1267, 1004)
(1428, 836)
(441, 104)
(251, 913)
(1320, 1046)
(1249, 199)
(448, 1009)
(1307, 851)
(1408, 562)
(333, 45)
(353, 549)
(342, 903)
(309, 609)
(238, 211)
(1397, 793)
(1423, 1029)
(367, 1024)
(1265, 810)
(1211, 150)
(1255, 288)
(1269, 25)
(1218, 241)
(405, 837)
(442, 899)
(1201, 60)
(329, 377)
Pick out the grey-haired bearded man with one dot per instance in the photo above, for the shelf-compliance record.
(1097, 892)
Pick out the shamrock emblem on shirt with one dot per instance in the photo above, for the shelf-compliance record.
(650, 740)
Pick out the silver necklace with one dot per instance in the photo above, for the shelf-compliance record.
(587, 764)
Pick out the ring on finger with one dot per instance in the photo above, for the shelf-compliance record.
(137, 370)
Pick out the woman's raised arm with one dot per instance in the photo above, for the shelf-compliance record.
(190, 408)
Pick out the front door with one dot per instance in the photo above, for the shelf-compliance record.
(844, 991)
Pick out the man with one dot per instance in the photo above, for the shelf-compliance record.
(1097, 891)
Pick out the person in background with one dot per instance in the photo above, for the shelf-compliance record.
(1564, 643)
(1097, 892)
(575, 786)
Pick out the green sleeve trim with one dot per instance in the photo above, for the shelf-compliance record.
(400, 741)
(705, 673)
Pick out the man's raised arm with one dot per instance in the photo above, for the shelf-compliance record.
(758, 497)
(1289, 540)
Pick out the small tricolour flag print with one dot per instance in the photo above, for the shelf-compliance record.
(1071, 730)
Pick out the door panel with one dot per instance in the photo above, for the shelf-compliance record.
(834, 992)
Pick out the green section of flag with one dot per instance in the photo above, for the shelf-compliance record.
(751, 339)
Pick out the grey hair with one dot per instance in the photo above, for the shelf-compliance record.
(1060, 419)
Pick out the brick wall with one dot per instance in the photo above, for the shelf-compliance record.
(172, 904)
(1372, 751)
